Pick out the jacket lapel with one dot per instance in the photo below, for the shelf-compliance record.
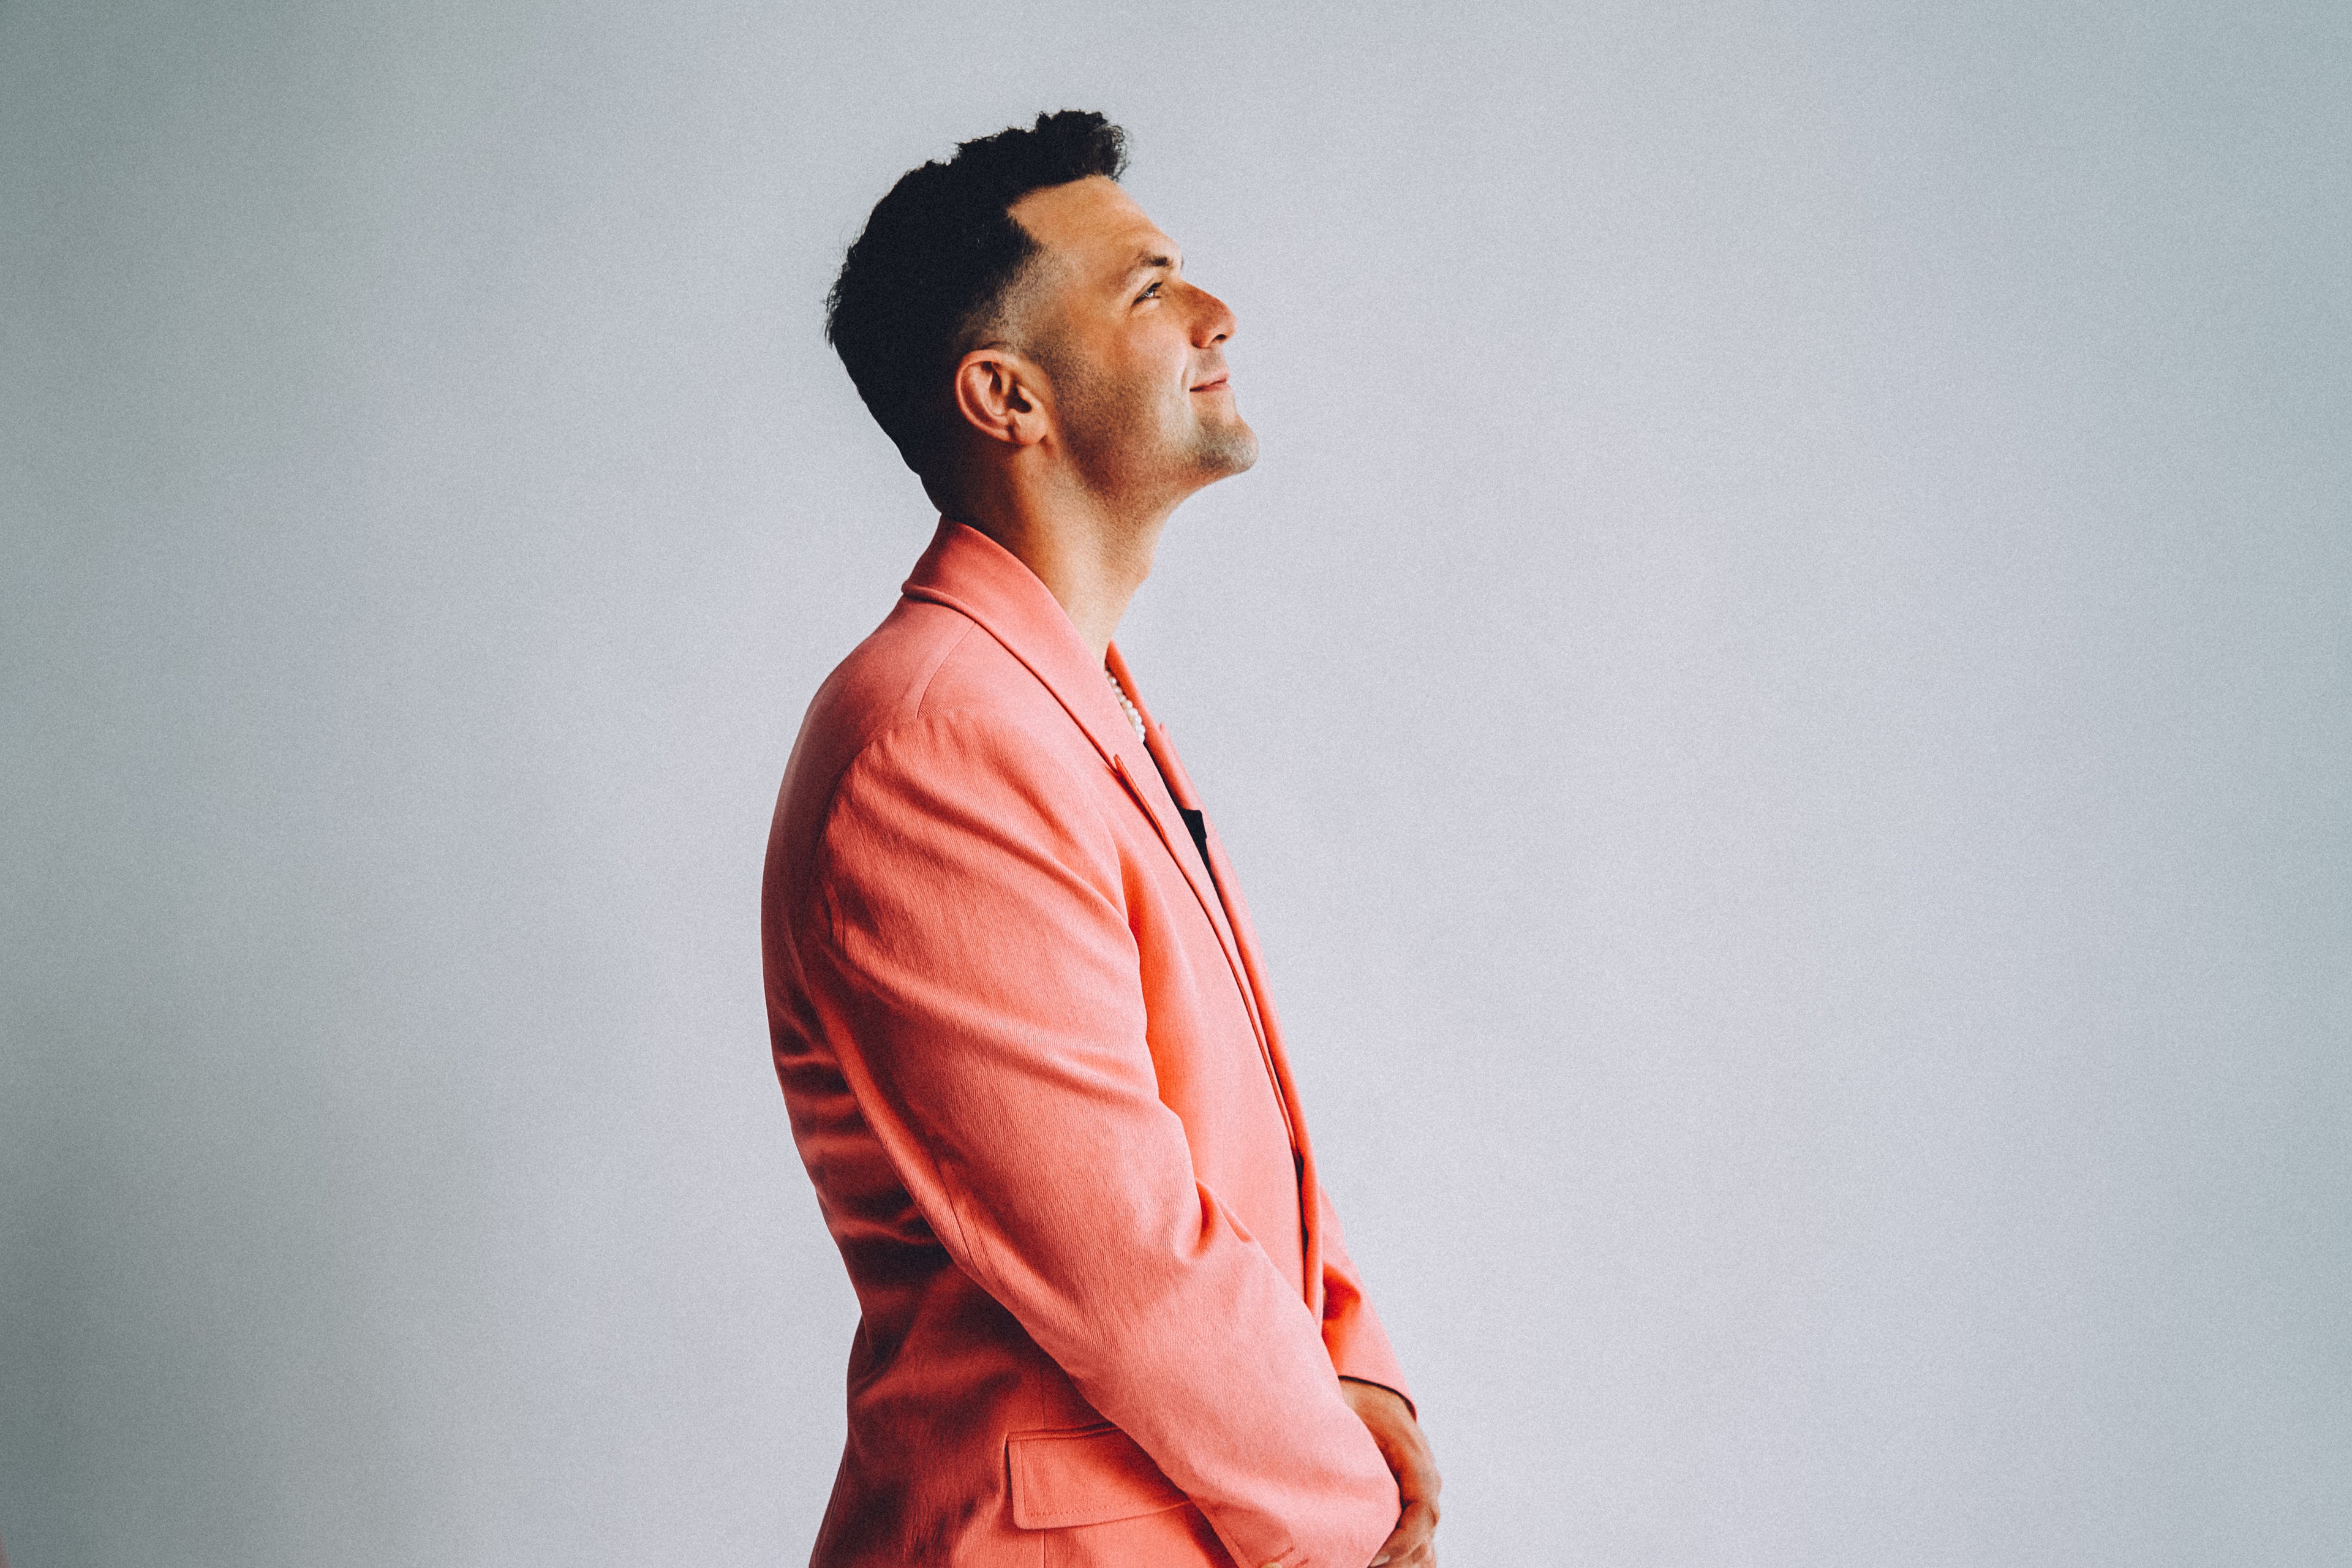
(1244, 938)
(970, 573)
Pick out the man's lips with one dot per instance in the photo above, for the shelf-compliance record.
(1218, 384)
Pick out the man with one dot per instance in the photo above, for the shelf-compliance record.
(1017, 1006)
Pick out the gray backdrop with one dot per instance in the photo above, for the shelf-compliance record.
(1782, 692)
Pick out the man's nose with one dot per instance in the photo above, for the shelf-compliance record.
(1215, 320)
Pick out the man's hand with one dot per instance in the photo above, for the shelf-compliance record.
(1384, 1413)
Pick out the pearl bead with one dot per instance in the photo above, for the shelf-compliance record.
(1133, 716)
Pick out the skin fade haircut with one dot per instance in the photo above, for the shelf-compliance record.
(937, 259)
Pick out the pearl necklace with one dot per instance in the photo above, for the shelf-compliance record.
(1133, 717)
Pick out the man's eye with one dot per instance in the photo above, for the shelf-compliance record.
(1151, 291)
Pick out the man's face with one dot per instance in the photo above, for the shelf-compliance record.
(1135, 354)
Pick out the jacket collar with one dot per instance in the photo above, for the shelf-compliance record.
(970, 573)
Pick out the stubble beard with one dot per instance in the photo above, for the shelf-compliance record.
(1117, 434)
(1224, 448)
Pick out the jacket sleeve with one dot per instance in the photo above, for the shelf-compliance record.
(1352, 1334)
(967, 944)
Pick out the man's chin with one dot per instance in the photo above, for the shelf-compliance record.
(1227, 450)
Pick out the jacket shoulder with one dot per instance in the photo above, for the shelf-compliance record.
(925, 661)
(926, 668)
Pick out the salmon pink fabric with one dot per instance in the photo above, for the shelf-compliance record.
(1023, 1035)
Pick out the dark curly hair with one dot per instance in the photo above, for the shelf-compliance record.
(938, 255)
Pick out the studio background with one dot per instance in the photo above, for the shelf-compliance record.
(1781, 693)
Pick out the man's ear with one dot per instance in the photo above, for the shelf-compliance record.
(1003, 396)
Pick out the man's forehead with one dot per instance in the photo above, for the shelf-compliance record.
(1094, 225)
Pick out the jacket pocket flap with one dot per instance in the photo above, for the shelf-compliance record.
(1090, 1476)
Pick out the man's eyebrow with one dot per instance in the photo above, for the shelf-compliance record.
(1151, 261)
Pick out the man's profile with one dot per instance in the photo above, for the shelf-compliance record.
(1017, 1007)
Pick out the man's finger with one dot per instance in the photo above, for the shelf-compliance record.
(1415, 1528)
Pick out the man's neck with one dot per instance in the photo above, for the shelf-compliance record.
(1089, 558)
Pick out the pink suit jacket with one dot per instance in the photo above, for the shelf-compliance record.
(1024, 1039)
